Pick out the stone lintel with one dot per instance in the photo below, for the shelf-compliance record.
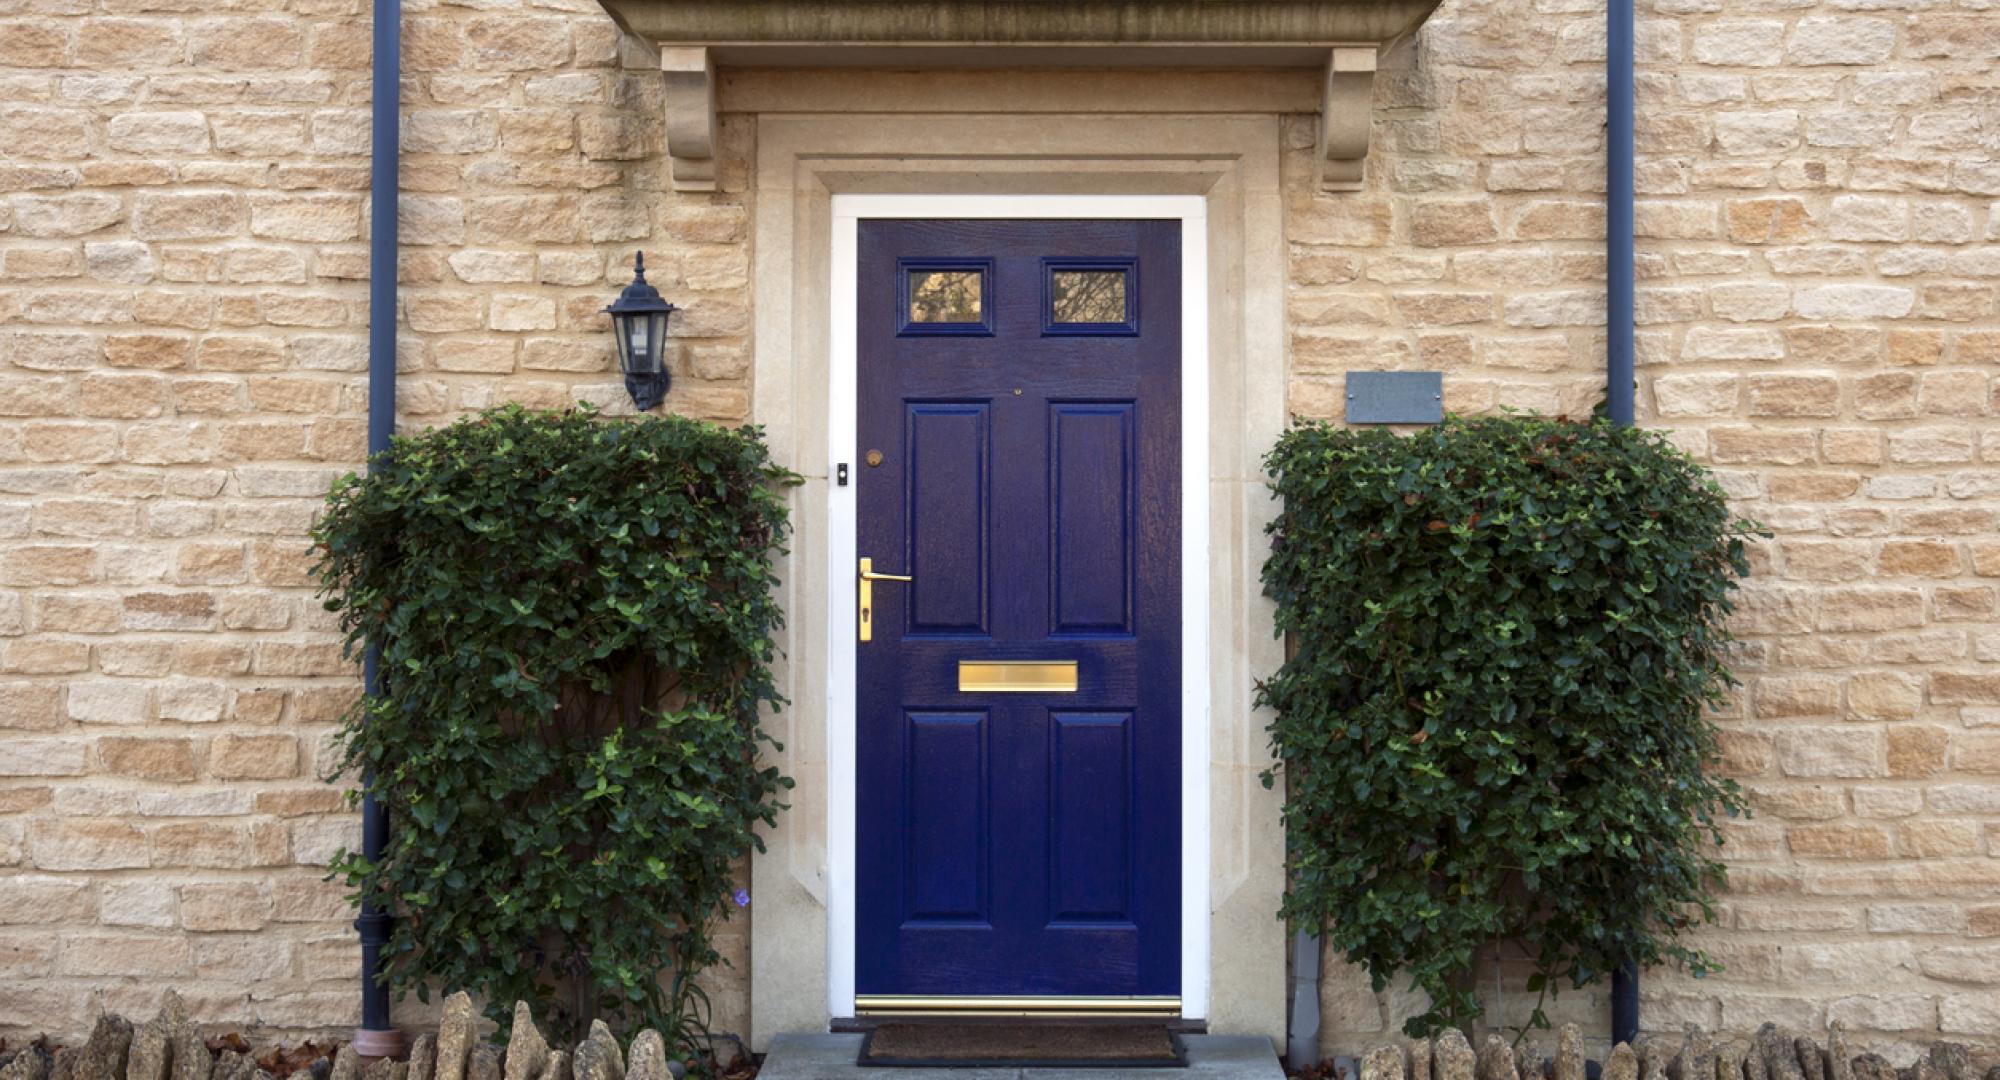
(1020, 22)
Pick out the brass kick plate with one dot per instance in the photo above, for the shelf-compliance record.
(1017, 676)
(898, 1005)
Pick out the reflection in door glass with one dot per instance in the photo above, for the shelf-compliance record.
(945, 296)
(1088, 296)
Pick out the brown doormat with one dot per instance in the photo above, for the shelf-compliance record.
(1068, 1046)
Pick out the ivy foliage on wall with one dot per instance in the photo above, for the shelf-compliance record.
(1507, 634)
(574, 619)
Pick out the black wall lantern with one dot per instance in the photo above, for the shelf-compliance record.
(639, 322)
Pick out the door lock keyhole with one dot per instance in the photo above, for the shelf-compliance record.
(873, 458)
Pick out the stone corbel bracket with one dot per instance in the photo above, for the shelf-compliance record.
(690, 109)
(1346, 109)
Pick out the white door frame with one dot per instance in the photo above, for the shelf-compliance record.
(842, 402)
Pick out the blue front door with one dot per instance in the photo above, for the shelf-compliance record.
(1019, 461)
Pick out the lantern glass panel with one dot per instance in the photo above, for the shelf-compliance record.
(638, 344)
(656, 356)
(624, 340)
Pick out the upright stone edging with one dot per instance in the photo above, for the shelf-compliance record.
(1383, 1063)
(171, 1047)
(648, 1060)
(1770, 1053)
(1621, 1064)
(454, 1038)
(1496, 1062)
(423, 1057)
(103, 1054)
(457, 1052)
(1452, 1057)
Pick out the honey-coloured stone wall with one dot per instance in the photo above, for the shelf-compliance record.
(183, 322)
(1818, 253)
(183, 212)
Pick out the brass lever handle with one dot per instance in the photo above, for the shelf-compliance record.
(870, 575)
(866, 586)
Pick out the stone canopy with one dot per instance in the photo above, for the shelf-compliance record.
(1340, 37)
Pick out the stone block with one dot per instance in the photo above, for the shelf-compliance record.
(1841, 40)
(73, 214)
(208, 907)
(202, 845)
(166, 759)
(253, 757)
(158, 133)
(1868, 218)
(246, 43)
(187, 216)
(310, 218)
(1748, 133)
(103, 955)
(1855, 302)
(1831, 753)
(137, 903)
(84, 843)
(36, 133)
(110, 701)
(515, 43)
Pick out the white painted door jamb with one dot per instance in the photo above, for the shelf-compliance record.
(842, 402)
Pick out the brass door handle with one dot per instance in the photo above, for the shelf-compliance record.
(868, 574)
(866, 586)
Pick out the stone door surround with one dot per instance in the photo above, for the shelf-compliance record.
(1231, 162)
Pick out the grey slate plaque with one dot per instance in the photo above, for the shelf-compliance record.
(1395, 397)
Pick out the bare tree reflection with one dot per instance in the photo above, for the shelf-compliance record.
(944, 296)
(1089, 296)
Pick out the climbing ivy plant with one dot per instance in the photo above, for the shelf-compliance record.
(1507, 637)
(574, 621)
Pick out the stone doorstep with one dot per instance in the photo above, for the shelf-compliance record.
(831, 1057)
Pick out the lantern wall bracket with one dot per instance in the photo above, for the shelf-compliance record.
(690, 115)
(639, 330)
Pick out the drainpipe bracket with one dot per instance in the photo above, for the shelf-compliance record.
(1346, 109)
(690, 115)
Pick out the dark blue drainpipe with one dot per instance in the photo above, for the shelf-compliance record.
(375, 1037)
(1618, 370)
(1618, 383)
